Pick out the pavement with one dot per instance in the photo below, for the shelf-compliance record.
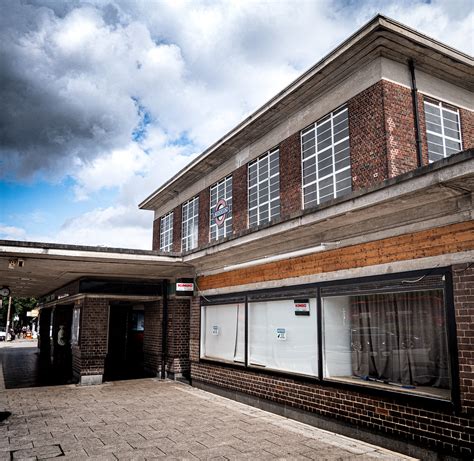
(147, 419)
(152, 419)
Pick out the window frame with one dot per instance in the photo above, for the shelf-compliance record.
(195, 216)
(229, 217)
(314, 290)
(447, 107)
(257, 162)
(168, 216)
(313, 127)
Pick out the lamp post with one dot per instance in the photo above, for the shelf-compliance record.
(8, 318)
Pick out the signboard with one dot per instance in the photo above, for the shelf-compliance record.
(185, 287)
(64, 295)
(301, 306)
(33, 313)
(220, 212)
(215, 330)
(281, 334)
(76, 316)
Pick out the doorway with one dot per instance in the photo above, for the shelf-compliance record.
(125, 342)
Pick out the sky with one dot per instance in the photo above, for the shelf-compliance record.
(103, 101)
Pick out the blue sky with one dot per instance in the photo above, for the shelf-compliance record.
(102, 101)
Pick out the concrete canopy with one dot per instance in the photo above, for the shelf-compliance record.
(47, 267)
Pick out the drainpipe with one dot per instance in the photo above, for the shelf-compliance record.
(164, 328)
(414, 96)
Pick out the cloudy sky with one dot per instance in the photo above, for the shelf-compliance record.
(102, 101)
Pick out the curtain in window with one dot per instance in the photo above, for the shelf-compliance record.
(400, 338)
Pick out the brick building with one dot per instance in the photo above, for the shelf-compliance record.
(330, 240)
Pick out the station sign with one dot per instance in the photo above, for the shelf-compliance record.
(185, 287)
(220, 212)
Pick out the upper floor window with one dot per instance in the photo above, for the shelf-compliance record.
(190, 226)
(443, 131)
(166, 232)
(221, 209)
(264, 188)
(326, 158)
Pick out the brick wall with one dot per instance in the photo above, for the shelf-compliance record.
(399, 129)
(463, 281)
(152, 339)
(177, 218)
(429, 426)
(467, 127)
(93, 336)
(239, 199)
(204, 203)
(290, 175)
(156, 235)
(178, 335)
(367, 137)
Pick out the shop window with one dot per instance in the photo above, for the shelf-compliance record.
(326, 162)
(166, 232)
(282, 336)
(221, 209)
(264, 188)
(393, 340)
(443, 131)
(190, 226)
(223, 332)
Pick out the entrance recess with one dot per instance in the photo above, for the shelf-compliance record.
(125, 342)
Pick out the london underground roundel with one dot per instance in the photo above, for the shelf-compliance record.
(220, 212)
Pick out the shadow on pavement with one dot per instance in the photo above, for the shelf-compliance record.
(24, 367)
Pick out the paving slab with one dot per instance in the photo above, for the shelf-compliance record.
(152, 419)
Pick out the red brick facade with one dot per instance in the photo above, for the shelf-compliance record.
(204, 204)
(156, 235)
(467, 128)
(177, 218)
(463, 280)
(290, 175)
(239, 199)
(367, 137)
(399, 129)
(382, 143)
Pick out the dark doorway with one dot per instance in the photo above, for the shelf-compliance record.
(125, 345)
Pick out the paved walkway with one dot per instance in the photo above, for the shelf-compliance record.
(21, 366)
(149, 419)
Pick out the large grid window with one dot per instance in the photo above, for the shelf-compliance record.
(326, 158)
(166, 232)
(264, 188)
(190, 226)
(443, 131)
(221, 209)
(386, 333)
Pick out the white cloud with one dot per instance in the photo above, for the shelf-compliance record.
(11, 232)
(79, 78)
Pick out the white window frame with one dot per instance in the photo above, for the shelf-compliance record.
(166, 232)
(227, 224)
(333, 144)
(190, 222)
(260, 185)
(442, 107)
